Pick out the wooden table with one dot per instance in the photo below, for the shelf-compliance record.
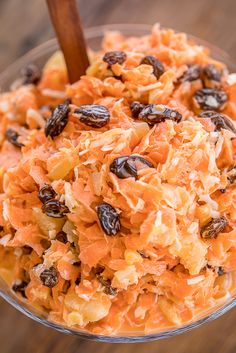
(23, 25)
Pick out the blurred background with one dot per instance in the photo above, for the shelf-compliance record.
(25, 24)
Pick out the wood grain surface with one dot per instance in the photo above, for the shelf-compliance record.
(23, 25)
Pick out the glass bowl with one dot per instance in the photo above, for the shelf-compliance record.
(39, 56)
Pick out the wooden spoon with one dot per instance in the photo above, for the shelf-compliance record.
(66, 21)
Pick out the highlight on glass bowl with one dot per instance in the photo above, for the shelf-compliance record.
(117, 205)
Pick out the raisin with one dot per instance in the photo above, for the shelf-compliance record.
(213, 228)
(62, 237)
(221, 271)
(154, 114)
(221, 121)
(210, 99)
(20, 288)
(158, 67)
(57, 121)
(46, 193)
(27, 250)
(77, 263)
(231, 175)
(55, 209)
(114, 57)
(12, 136)
(136, 108)
(223, 191)
(110, 290)
(31, 74)
(78, 280)
(211, 76)
(49, 277)
(128, 166)
(193, 73)
(107, 284)
(1, 228)
(93, 115)
(98, 270)
(45, 243)
(108, 218)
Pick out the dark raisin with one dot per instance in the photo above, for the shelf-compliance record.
(231, 175)
(55, 209)
(98, 270)
(221, 271)
(128, 166)
(77, 263)
(62, 237)
(114, 57)
(58, 120)
(46, 193)
(31, 74)
(110, 290)
(27, 250)
(1, 228)
(136, 108)
(45, 243)
(78, 280)
(210, 99)
(213, 228)
(49, 277)
(193, 73)
(107, 284)
(12, 136)
(211, 75)
(118, 167)
(221, 121)
(109, 219)
(20, 288)
(154, 114)
(93, 115)
(158, 67)
(223, 191)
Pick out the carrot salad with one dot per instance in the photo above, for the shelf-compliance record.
(117, 201)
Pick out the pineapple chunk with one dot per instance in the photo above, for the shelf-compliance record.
(46, 223)
(82, 312)
(75, 318)
(132, 257)
(141, 129)
(123, 278)
(63, 167)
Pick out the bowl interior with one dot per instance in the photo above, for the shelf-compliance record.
(39, 56)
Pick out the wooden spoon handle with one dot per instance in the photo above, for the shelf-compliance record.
(66, 21)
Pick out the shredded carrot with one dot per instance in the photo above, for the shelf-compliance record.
(166, 260)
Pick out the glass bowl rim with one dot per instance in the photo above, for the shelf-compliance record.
(93, 33)
(98, 31)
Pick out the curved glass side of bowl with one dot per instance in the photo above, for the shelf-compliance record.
(39, 56)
